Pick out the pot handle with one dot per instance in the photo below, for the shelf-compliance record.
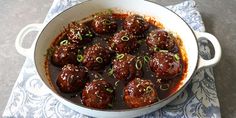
(21, 35)
(202, 63)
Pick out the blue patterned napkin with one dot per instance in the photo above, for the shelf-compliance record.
(30, 98)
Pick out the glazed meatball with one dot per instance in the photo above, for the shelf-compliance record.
(104, 24)
(65, 54)
(135, 24)
(98, 94)
(160, 39)
(165, 65)
(72, 78)
(79, 33)
(140, 93)
(96, 57)
(127, 67)
(123, 42)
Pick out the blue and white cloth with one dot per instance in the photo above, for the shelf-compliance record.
(30, 98)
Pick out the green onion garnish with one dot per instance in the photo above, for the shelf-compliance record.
(80, 58)
(109, 90)
(146, 59)
(79, 35)
(106, 21)
(99, 59)
(120, 56)
(149, 89)
(140, 41)
(116, 83)
(110, 105)
(89, 34)
(165, 51)
(79, 51)
(138, 65)
(110, 71)
(125, 38)
(164, 87)
(112, 45)
(64, 42)
(176, 57)
(138, 57)
(156, 49)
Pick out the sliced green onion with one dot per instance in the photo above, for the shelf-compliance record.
(176, 56)
(106, 21)
(80, 58)
(112, 45)
(140, 41)
(149, 89)
(79, 51)
(79, 35)
(64, 42)
(125, 38)
(116, 83)
(109, 90)
(156, 49)
(138, 57)
(120, 56)
(110, 71)
(110, 105)
(146, 59)
(165, 51)
(138, 65)
(164, 87)
(89, 34)
(99, 59)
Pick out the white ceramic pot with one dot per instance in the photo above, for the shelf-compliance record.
(171, 21)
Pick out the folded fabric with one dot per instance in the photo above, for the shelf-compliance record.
(30, 98)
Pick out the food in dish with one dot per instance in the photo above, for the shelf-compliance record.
(72, 78)
(95, 57)
(79, 34)
(65, 53)
(126, 61)
(139, 92)
(135, 24)
(126, 67)
(104, 24)
(98, 94)
(123, 42)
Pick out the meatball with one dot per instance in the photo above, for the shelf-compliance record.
(79, 33)
(135, 24)
(165, 65)
(72, 78)
(123, 42)
(140, 93)
(104, 24)
(98, 94)
(127, 67)
(160, 39)
(65, 54)
(96, 57)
